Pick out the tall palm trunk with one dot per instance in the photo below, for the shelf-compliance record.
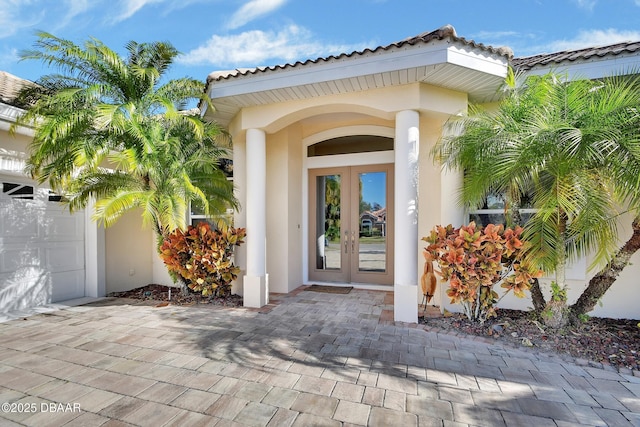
(537, 297)
(556, 312)
(601, 282)
(513, 217)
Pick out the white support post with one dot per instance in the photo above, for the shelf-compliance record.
(407, 141)
(94, 252)
(256, 283)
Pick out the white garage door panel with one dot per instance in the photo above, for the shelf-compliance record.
(13, 257)
(51, 256)
(41, 250)
(17, 224)
(24, 288)
(64, 256)
(67, 285)
(61, 226)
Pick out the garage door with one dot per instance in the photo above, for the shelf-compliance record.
(41, 247)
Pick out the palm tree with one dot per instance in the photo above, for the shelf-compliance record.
(573, 147)
(107, 128)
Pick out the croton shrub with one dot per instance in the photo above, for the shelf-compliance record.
(202, 257)
(474, 260)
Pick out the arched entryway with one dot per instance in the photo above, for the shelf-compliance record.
(350, 206)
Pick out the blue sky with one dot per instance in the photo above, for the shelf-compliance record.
(226, 34)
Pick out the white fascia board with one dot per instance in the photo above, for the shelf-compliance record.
(9, 115)
(336, 69)
(592, 69)
(468, 58)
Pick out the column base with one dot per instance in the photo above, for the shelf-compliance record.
(255, 291)
(405, 303)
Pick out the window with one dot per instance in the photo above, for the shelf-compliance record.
(20, 191)
(349, 145)
(494, 209)
(196, 211)
(17, 191)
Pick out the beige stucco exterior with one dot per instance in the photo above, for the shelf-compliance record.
(404, 92)
(291, 127)
(128, 256)
(290, 118)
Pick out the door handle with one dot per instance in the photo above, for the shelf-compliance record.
(353, 242)
(346, 242)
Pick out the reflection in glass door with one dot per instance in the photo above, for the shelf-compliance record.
(372, 221)
(351, 224)
(328, 222)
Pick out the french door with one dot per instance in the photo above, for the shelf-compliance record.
(351, 224)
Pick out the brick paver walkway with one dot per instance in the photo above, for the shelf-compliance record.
(312, 359)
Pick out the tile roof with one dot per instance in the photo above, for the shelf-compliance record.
(442, 33)
(9, 87)
(528, 62)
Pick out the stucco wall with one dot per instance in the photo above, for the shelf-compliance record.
(294, 207)
(618, 302)
(278, 223)
(287, 124)
(284, 198)
(128, 254)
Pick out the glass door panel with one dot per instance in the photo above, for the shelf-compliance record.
(328, 223)
(350, 224)
(328, 229)
(372, 222)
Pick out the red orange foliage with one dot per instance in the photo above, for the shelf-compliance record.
(474, 259)
(202, 256)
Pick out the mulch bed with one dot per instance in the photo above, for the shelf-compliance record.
(161, 293)
(614, 342)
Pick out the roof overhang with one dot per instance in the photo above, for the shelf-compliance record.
(450, 62)
(588, 63)
(9, 115)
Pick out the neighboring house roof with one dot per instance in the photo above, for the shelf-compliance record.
(9, 87)
(544, 59)
(588, 63)
(9, 109)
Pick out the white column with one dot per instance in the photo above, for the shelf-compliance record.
(256, 284)
(407, 141)
(94, 253)
(240, 216)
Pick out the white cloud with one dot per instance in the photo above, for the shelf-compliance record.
(130, 7)
(8, 58)
(584, 39)
(252, 10)
(252, 48)
(483, 35)
(587, 4)
(75, 8)
(13, 17)
(587, 38)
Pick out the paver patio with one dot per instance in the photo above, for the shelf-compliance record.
(310, 359)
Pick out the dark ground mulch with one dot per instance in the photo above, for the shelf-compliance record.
(161, 293)
(603, 341)
(614, 342)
